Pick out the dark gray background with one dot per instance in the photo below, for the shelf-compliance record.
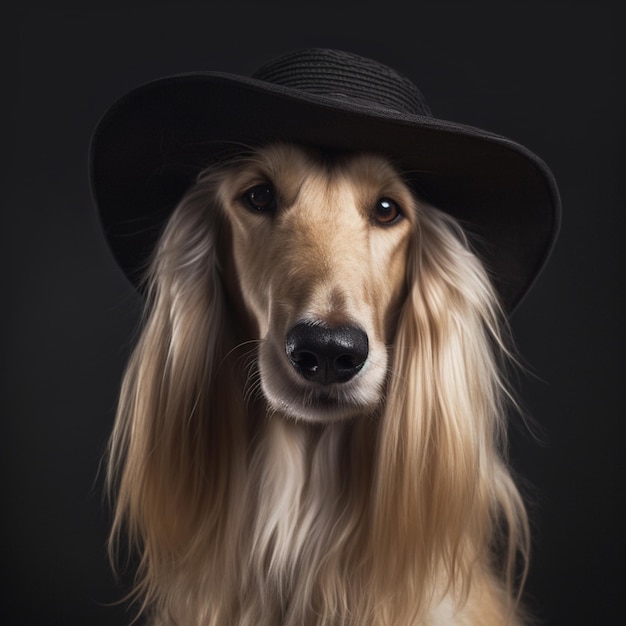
(549, 75)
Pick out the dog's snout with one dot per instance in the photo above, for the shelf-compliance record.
(326, 355)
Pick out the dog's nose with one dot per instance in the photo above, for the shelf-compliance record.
(326, 355)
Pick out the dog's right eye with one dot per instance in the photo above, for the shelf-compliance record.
(261, 198)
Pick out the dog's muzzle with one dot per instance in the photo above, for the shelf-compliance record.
(326, 355)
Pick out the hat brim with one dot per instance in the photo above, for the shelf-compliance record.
(150, 145)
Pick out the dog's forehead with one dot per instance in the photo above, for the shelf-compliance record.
(298, 171)
(285, 162)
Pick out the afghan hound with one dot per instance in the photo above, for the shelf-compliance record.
(311, 429)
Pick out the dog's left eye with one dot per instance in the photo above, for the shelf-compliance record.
(386, 211)
(261, 198)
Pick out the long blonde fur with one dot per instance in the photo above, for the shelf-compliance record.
(241, 515)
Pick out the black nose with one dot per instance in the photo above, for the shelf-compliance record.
(326, 355)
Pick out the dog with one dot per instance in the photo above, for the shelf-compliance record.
(312, 426)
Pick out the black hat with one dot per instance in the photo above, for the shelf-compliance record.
(151, 144)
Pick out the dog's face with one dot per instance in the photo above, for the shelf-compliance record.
(320, 249)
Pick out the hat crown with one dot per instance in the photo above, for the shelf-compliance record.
(346, 77)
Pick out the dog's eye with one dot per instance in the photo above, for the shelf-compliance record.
(386, 211)
(261, 198)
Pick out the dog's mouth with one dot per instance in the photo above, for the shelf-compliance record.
(321, 374)
(316, 403)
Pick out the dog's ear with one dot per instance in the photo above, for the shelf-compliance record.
(440, 474)
(173, 454)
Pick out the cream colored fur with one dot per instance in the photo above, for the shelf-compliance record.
(254, 497)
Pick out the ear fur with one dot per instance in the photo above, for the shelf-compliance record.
(177, 449)
(440, 475)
